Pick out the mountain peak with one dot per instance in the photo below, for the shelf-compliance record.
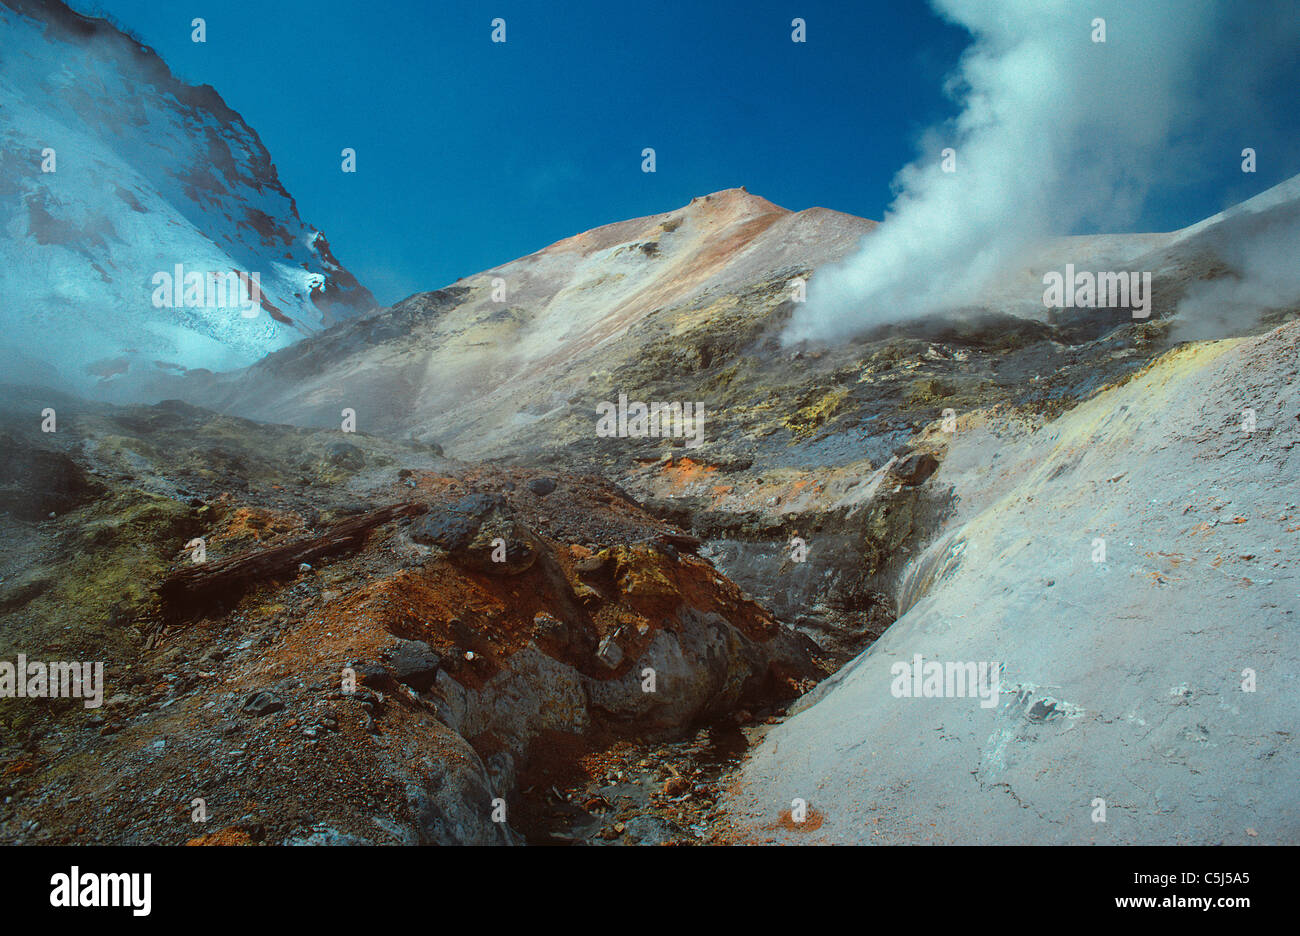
(732, 199)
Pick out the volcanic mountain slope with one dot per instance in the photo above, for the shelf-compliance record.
(111, 171)
(689, 305)
(375, 553)
(349, 659)
(960, 473)
(1241, 260)
(824, 445)
(489, 364)
(1132, 567)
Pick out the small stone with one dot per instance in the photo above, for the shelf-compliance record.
(676, 786)
(263, 703)
(609, 653)
(548, 627)
(541, 486)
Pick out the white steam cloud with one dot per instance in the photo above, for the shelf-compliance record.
(1264, 260)
(1057, 133)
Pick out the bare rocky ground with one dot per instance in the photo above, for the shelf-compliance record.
(799, 442)
(468, 672)
(947, 478)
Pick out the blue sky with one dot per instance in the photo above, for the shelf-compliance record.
(472, 153)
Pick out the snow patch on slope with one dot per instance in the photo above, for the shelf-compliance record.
(149, 173)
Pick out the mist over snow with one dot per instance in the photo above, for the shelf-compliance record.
(116, 176)
(1057, 134)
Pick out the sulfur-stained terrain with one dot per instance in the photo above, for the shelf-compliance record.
(388, 691)
(1019, 572)
(1131, 566)
(477, 620)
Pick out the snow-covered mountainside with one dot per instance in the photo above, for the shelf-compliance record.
(112, 174)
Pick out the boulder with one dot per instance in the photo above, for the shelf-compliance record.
(413, 663)
(471, 530)
(541, 486)
(913, 469)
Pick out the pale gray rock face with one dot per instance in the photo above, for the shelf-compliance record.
(701, 670)
(451, 798)
(113, 172)
(537, 693)
(1124, 675)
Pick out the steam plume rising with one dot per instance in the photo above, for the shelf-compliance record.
(1057, 134)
